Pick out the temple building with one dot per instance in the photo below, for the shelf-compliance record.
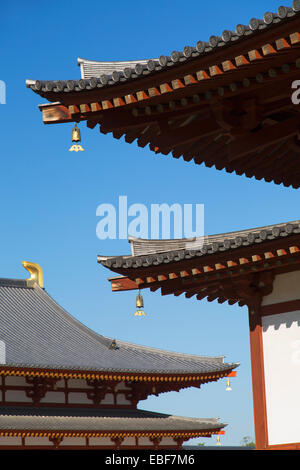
(258, 268)
(63, 386)
(231, 103)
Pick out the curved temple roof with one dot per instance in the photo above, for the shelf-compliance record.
(98, 74)
(102, 420)
(38, 333)
(155, 252)
(233, 267)
(231, 102)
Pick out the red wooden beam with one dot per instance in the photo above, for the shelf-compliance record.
(55, 112)
(122, 283)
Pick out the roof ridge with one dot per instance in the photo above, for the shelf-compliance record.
(203, 244)
(11, 282)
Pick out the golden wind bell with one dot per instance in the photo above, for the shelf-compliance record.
(76, 138)
(139, 306)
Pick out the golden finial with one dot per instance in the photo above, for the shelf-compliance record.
(36, 274)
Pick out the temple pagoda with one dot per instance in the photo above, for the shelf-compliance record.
(231, 102)
(258, 268)
(63, 386)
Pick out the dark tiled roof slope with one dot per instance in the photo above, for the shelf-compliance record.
(61, 419)
(198, 247)
(97, 74)
(38, 333)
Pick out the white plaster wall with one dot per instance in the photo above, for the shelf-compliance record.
(54, 397)
(285, 287)
(145, 441)
(73, 441)
(100, 441)
(281, 346)
(128, 441)
(15, 381)
(167, 441)
(121, 400)
(10, 441)
(17, 396)
(122, 386)
(77, 383)
(108, 399)
(37, 441)
(79, 398)
(60, 383)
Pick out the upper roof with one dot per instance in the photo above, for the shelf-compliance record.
(98, 74)
(39, 333)
(226, 103)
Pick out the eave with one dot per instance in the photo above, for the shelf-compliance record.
(228, 107)
(232, 273)
(184, 435)
(178, 380)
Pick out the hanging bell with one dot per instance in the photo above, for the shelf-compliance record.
(218, 441)
(76, 137)
(76, 134)
(228, 387)
(139, 306)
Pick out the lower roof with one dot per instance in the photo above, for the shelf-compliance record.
(39, 333)
(236, 267)
(147, 253)
(101, 421)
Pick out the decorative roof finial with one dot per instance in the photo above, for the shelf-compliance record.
(36, 274)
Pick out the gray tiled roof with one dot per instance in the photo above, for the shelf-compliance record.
(77, 419)
(38, 332)
(98, 74)
(156, 252)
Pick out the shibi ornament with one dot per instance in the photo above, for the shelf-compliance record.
(76, 137)
(139, 305)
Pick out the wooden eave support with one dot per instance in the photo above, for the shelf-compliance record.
(199, 128)
(122, 283)
(185, 272)
(55, 112)
(164, 380)
(263, 138)
(59, 113)
(57, 436)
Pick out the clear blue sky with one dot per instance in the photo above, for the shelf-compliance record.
(49, 195)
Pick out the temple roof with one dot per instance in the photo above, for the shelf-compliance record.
(39, 333)
(100, 420)
(231, 103)
(237, 267)
(147, 253)
(98, 74)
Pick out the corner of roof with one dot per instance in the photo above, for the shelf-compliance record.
(29, 82)
(102, 259)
